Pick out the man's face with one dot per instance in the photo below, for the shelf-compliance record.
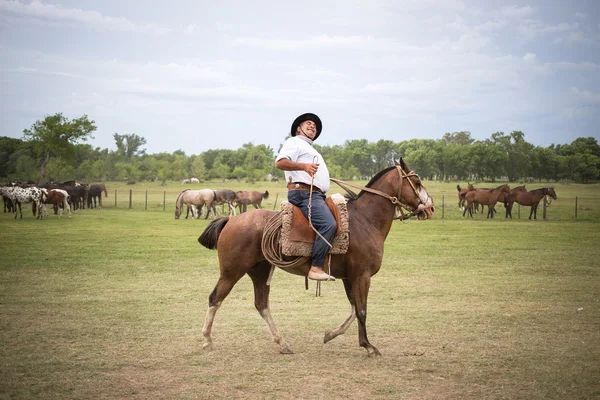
(308, 128)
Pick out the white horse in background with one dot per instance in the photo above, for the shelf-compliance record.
(194, 199)
(195, 180)
(185, 181)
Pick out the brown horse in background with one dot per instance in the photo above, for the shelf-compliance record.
(58, 198)
(533, 198)
(510, 198)
(462, 193)
(244, 199)
(239, 242)
(485, 197)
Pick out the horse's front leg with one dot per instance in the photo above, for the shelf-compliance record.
(259, 275)
(360, 290)
(340, 330)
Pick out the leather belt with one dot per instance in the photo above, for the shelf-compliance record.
(302, 186)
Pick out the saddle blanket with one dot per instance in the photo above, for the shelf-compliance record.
(292, 244)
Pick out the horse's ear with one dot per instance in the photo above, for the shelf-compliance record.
(396, 163)
(403, 165)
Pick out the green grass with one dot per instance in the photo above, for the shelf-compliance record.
(110, 304)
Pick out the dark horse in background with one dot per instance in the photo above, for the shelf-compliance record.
(371, 214)
(95, 191)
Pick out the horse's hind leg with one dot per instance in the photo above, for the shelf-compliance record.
(259, 275)
(340, 330)
(221, 290)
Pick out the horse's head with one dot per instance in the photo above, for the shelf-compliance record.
(551, 192)
(412, 194)
(470, 187)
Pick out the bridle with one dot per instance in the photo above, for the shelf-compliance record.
(405, 211)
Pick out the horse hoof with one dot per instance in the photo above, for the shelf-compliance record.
(207, 347)
(287, 350)
(374, 353)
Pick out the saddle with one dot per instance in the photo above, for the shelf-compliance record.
(297, 237)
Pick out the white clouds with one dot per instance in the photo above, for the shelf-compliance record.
(516, 12)
(316, 42)
(585, 96)
(529, 58)
(433, 60)
(56, 13)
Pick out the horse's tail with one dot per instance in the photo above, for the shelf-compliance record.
(210, 236)
(458, 188)
(265, 195)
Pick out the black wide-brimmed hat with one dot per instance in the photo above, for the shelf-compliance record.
(307, 117)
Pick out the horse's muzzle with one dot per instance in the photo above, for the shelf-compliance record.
(425, 212)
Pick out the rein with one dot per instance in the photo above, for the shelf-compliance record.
(393, 199)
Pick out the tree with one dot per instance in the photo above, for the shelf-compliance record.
(56, 136)
(128, 145)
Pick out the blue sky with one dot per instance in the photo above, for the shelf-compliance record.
(197, 75)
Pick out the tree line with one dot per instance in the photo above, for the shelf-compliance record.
(54, 149)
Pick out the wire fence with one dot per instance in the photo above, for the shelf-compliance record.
(571, 208)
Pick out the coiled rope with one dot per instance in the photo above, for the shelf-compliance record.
(272, 249)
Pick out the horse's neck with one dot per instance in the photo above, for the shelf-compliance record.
(375, 211)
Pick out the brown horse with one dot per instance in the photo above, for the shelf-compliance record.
(239, 243)
(510, 198)
(58, 198)
(533, 197)
(462, 193)
(244, 199)
(485, 197)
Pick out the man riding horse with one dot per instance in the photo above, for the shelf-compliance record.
(308, 181)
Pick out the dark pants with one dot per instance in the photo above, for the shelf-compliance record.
(321, 218)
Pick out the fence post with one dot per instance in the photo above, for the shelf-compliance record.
(115, 198)
(130, 195)
(275, 204)
(519, 211)
(164, 199)
(544, 208)
(443, 207)
(146, 205)
(575, 207)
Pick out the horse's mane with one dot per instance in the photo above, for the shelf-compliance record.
(177, 204)
(373, 180)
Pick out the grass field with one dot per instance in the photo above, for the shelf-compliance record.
(110, 304)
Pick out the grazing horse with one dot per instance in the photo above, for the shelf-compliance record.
(57, 197)
(485, 197)
(533, 197)
(225, 196)
(194, 198)
(95, 191)
(244, 199)
(23, 196)
(462, 193)
(185, 181)
(510, 198)
(194, 180)
(239, 241)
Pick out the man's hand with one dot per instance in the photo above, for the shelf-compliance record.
(311, 169)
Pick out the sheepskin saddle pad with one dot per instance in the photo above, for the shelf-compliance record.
(297, 237)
